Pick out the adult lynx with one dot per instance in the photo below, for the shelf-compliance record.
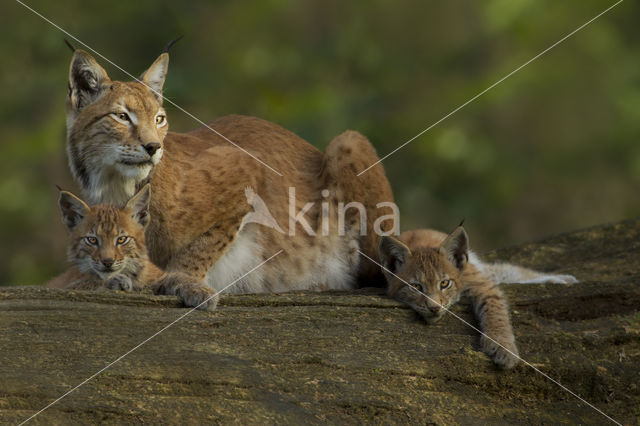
(118, 141)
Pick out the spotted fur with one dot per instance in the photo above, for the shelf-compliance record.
(107, 247)
(430, 274)
(199, 181)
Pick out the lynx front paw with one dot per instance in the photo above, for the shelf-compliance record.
(192, 294)
(504, 354)
(120, 282)
(198, 296)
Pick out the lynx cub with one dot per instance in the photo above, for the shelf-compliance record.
(430, 275)
(107, 246)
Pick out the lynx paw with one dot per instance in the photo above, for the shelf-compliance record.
(192, 294)
(198, 296)
(120, 282)
(504, 355)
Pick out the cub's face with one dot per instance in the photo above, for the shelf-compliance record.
(114, 128)
(434, 284)
(106, 240)
(428, 279)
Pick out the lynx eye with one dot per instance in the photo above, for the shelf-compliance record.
(445, 284)
(417, 286)
(91, 240)
(160, 120)
(124, 116)
(122, 240)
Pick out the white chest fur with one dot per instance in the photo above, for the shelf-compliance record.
(330, 265)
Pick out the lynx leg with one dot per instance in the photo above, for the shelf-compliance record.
(347, 155)
(188, 268)
(192, 292)
(185, 279)
(492, 312)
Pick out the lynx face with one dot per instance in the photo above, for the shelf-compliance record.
(106, 240)
(115, 129)
(427, 279)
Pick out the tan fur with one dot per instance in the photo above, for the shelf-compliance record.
(430, 271)
(107, 247)
(199, 182)
(496, 272)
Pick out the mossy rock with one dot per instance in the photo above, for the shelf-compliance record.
(334, 357)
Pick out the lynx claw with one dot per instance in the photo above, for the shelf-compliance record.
(193, 294)
(504, 355)
(199, 296)
(120, 282)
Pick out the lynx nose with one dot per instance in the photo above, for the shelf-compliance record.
(151, 148)
(108, 263)
(434, 309)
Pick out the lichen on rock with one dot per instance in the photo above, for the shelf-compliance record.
(335, 357)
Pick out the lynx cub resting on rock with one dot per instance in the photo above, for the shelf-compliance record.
(430, 274)
(107, 245)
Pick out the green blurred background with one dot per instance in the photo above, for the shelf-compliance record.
(552, 149)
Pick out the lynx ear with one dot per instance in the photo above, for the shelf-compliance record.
(139, 205)
(456, 247)
(155, 75)
(393, 254)
(73, 209)
(87, 79)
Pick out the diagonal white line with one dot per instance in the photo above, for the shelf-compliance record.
(492, 86)
(154, 91)
(497, 343)
(148, 339)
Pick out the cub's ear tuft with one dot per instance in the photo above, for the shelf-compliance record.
(456, 247)
(393, 254)
(69, 45)
(138, 205)
(87, 79)
(154, 77)
(73, 209)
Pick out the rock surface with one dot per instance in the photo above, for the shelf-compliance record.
(334, 357)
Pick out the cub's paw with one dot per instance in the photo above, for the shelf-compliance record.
(504, 355)
(120, 282)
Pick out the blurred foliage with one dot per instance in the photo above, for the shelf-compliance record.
(552, 148)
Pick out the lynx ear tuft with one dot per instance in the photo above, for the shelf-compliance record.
(139, 205)
(69, 45)
(154, 77)
(456, 247)
(87, 79)
(171, 43)
(393, 254)
(73, 209)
